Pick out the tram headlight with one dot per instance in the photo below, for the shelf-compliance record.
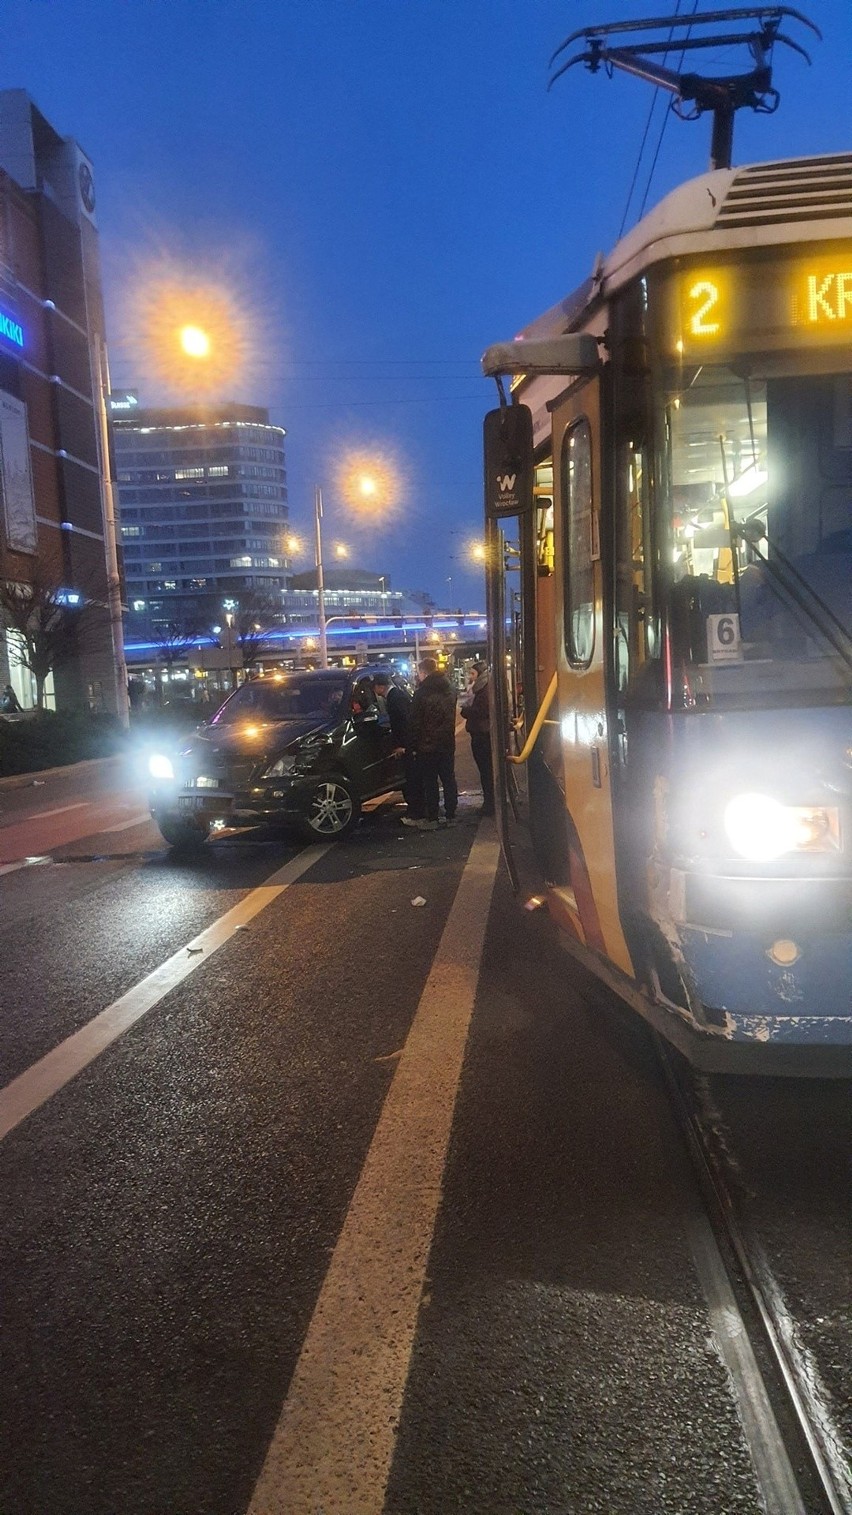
(760, 828)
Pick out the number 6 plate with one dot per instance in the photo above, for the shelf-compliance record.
(723, 639)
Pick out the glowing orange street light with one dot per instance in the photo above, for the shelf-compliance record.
(194, 341)
(341, 550)
(369, 483)
(193, 335)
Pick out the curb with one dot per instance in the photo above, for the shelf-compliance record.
(22, 780)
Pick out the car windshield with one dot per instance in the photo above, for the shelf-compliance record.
(291, 697)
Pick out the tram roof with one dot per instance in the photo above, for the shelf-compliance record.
(761, 205)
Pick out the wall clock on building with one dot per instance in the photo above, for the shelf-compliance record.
(87, 187)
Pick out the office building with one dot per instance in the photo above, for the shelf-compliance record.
(203, 512)
(56, 525)
(346, 592)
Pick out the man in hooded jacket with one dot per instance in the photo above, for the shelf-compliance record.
(476, 709)
(433, 738)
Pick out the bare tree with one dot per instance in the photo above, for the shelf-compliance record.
(48, 620)
(173, 639)
(256, 613)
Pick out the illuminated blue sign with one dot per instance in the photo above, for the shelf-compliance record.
(11, 330)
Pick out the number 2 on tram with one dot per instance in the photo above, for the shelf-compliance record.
(669, 522)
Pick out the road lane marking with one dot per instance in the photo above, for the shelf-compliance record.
(46, 1077)
(42, 815)
(332, 1447)
(135, 820)
(25, 862)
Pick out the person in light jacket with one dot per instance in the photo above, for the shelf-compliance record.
(476, 709)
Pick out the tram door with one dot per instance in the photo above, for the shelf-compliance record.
(581, 668)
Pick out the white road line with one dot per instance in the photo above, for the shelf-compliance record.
(24, 1094)
(135, 820)
(41, 815)
(333, 1445)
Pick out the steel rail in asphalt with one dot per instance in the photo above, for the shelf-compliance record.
(815, 1439)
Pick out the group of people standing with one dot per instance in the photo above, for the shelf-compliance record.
(424, 727)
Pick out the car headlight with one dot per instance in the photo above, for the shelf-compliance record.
(283, 765)
(160, 767)
(760, 828)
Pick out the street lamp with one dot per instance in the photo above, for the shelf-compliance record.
(366, 486)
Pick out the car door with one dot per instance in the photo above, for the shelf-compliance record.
(367, 751)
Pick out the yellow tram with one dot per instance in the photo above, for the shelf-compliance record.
(669, 545)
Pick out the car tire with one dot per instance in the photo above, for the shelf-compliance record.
(181, 835)
(332, 811)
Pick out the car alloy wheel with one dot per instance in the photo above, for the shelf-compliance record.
(332, 809)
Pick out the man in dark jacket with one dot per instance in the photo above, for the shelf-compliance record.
(397, 703)
(433, 737)
(476, 709)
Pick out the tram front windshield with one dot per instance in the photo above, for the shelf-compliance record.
(759, 474)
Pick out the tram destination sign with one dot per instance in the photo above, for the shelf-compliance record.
(509, 461)
(789, 300)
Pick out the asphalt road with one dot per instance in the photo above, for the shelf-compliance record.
(357, 1207)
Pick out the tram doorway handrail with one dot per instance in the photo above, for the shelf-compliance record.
(529, 744)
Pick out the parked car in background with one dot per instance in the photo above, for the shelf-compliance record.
(295, 750)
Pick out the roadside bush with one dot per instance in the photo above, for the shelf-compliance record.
(55, 738)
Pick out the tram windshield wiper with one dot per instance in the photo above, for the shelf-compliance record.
(795, 586)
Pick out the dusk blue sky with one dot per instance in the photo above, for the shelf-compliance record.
(390, 188)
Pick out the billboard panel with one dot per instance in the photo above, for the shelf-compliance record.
(16, 485)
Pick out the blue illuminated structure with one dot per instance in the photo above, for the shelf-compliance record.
(360, 631)
(10, 329)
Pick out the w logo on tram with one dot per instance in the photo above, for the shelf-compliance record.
(509, 466)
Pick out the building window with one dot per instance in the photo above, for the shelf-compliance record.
(131, 531)
(218, 471)
(189, 473)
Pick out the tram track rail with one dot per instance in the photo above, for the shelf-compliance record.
(797, 1421)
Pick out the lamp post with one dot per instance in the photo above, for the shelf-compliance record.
(320, 585)
(111, 537)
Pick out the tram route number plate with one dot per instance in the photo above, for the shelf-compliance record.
(723, 639)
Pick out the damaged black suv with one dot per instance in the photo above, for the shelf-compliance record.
(297, 750)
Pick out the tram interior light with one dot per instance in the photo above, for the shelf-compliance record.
(753, 478)
(760, 828)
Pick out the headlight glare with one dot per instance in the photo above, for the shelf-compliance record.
(160, 767)
(760, 828)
